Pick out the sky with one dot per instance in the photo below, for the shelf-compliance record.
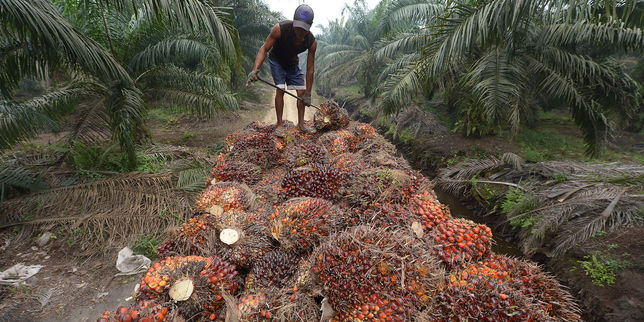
(323, 10)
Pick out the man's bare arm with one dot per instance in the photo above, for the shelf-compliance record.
(266, 47)
(310, 67)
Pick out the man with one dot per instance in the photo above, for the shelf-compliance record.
(286, 40)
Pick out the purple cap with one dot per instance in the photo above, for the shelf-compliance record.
(303, 17)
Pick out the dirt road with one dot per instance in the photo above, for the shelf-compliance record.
(290, 109)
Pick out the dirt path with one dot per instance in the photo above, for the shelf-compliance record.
(290, 109)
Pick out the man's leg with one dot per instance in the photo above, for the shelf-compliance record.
(300, 110)
(279, 105)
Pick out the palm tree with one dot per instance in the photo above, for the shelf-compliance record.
(501, 56)
(36, 39)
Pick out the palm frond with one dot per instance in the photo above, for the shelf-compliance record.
(400, 88)
(171, 50)
(412, 12)
(402, 43)
(21, 177)
(125, 110)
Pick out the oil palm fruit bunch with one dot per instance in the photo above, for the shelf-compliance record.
(225, 196)
(385, 160)
(361, 132)
(458, 240)
(530, 280)
(240, 238)
(381, 215)
(237, 171)
(317, 181)
(300, 224)
(349, 163)
(261, 149)
(191, 239)
(483, 299)
(273, 304)
(426, 206)
(330, 116)
(272, 270)
(269, 187)
(146, 311)
(304, 152)
(366, 266)
(334, 143)
(194, 283)
(376, 309)
(374, 144)
(384, 185)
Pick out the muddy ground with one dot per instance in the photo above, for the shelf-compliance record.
(74, 287)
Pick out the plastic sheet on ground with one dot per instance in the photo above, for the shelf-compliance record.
(129, 264)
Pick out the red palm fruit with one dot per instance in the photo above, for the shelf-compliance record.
(384, 185)
(262, 149)
(430, 210)
(330, 116)
(234, 171)
(143, 311)
(273, 304)
(375, 308)
(305, 152)
(272, 269)
(459, 240)
(349, 163)
(300, 224)
(227, 195)
(363, 261)
(335, 143)
(312, 181)
(239, 238)
(200, 282)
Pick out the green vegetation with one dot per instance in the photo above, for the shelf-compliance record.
(146, 244)
(601, 268)
(494, 65)
(517, 202)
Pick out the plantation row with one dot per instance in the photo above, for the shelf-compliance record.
(333, 225)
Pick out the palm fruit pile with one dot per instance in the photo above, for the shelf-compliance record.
(225, 196)
(334, 225)
(240, 171)
(387, 269)
(305, 152)
(196, 283)
(330, 116)
(272, 269)
(299, 224)
(317, 181)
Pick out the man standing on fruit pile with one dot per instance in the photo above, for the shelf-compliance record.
(286, 40)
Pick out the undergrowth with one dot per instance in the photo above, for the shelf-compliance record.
(602, 268)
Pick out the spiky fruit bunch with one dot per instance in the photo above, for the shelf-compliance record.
(272, 304)
(361, 130)
(376, 309)
(334, 143)
(349, 163)
(483, 299)
(238, 171)
(314, 181)
(227, 195)
(374, 144)
(269, 187)
(191, 239)
(385, 160)
(272, 270)
(381, 215)
(304, 152)
(426, 206)
(330, 116)
(383, 185)
(301, 223)
(194, 282)
(248, 241)
(231, 139)
(261, 149)
(362, 261)
(459, 240)
(525, 277)
(146, 311)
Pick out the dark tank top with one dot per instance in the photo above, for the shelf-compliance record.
(284, 51)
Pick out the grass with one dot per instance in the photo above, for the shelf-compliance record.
(547, 145)
(147, 244)
(602, 269)
(169, 117)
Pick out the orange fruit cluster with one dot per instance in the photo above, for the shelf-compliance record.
(239, 171)
(334, 143)
(261, 149)
(305, 152)
(459, 240)
(316, 181)
(299, 224)
(330, 117)
(143, 312)
(228, 195)
(432, 212)
(377, 309)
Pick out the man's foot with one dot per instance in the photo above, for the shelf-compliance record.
(305, 130)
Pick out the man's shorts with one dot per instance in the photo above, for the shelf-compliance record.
(293, 78)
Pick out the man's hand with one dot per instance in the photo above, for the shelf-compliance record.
(252, 77)
(307, 99)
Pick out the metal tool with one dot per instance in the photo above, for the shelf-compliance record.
(283, 90)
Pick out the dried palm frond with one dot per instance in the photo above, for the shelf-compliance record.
(571, 201)
(116, 208)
